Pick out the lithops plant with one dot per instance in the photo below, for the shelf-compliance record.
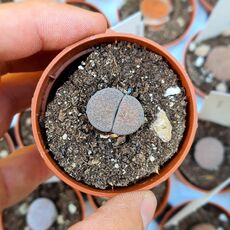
(109, 110)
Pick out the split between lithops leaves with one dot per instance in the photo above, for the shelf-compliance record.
(109, 110)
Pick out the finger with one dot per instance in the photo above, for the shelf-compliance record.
(16, 91)
(36, 26)
(127, 211)
(20, 174)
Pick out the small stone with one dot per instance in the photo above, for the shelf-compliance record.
(28, 121)
(42, 213)
(199, 61)
(61, 116)
(80, 67)
(162, 126)
(204, 226)
(180, 22)
(202, 50)
(222, 87)
(129, 117)
(64, 137)
(114, 136)
(152, 158)
(209, 153)
(104, 136)
(209, 78)
(218, 62)
(192, 47)
(72, 208)
(172, 91)
(116, 166)
(60, 219)
(3, 153)
(23, 208)
(226, 33)
(121, 140)
(222, 217)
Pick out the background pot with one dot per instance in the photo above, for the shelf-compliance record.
(174, 209)
(74, 52)
(181, 37)
(160, 206)
(10, 142)
(81, 202)
(90, 6)
(207, 5)
(185, 181)
(197, 90)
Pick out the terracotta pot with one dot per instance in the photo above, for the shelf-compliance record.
(160, 207)
(17, 131)
(197, 90)
(74, 52)
(185, 181)
(207, 5)
(171, 212)
(181, 37)
(90, 6)
(10, 142)
(81, 202)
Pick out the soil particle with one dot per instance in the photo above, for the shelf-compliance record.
(4, 149)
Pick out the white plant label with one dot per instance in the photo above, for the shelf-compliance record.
(218, 21)
(133, 25)
(216, 108)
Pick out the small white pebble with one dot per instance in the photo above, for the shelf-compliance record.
(222, 87)
(209, 78)
(199, 61)
(80, 67)
(64, 137)
(3, 153)
(116, 166)
(180, 22)
(222, 217)
(23, 208)
(104, 136)
(73, 165)
(192, 47)
(60, 219)
(72, 208)
(172, 91)
(152, 158)
(138, 66)
(171, 104)
(28, 121)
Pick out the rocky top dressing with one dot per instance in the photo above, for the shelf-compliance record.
(208, 63)
(104, 159)
(4, 149)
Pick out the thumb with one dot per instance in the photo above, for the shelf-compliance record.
(126, 211)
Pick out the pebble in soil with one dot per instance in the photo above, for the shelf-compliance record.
(179, 19)
(208, 63)
(53, 205)
(4, 149)
(106, 160)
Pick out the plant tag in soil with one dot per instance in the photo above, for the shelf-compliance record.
(133, 25)
(218, 21)
(216, 108)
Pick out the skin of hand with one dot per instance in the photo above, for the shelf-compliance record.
(33, 32)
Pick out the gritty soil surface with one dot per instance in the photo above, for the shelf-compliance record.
(26, 128)
(198, 176)
(100, 159)
(178, 22)
(202, 78)
(60, 194)
(207, 214)
(4, 149)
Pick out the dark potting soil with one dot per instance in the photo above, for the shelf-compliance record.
(198, 176)
(202, 78)
(26, 128)
(105, 160)
(4, 149)
(59, 193)
(207, 214)
(159, 192)
(178, 22)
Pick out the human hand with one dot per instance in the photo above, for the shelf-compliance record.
(32, 34)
